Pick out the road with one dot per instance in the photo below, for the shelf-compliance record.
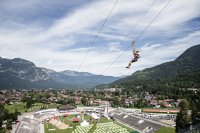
(41, 128)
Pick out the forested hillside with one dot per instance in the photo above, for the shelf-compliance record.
(183, 72)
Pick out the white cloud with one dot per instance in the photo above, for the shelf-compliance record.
(159, 53)
(49, 62)
(113, 47)
(62, 44)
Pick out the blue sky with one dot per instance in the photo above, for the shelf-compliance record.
(57, 34)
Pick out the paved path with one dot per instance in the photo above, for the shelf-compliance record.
(41, 128)
(18, 127)
(159, 123)
(14, 127)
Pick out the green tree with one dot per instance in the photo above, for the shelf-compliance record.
(29, 103)
(141, 103)
(62, 101)
(183, 119)
(116, 101)
(9, 125)
(15, 114)
(83, 100)
(71, 101)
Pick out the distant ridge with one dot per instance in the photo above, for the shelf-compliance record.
(20, 73)
(79, 79)
(186, 65)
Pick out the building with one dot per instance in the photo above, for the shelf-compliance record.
(153, 110)
(66, 108)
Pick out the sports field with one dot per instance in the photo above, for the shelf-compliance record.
(103, 125)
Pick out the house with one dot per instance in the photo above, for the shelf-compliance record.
(97, 102)
(2, 97)
(179, 100)
(2, 102)
(153, 103)
(66, 108)
(166, 105)
(110, 89)
(77, 100)
(105, 103)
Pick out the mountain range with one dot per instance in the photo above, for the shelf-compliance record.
(184, 68)
(20, 73)
(75, 79)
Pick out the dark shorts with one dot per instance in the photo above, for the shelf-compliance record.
(133, 60)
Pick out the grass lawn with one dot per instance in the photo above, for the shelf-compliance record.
(21, 107)
(104, 121)
(166, 130)
(67, 120)
(124, 126)
(52, 106)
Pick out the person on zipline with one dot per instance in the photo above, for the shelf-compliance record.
(136, 57)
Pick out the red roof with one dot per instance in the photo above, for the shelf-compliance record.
(55, 117)
(152, 110)
(75, 119)
(66, 115)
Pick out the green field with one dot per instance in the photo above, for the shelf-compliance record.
(124, 126)
(16, 106)
(21, 107)
(166, 130)
(67, 120)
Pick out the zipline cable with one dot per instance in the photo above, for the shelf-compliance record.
(97, 35)
(134, 27)
(139, 20)
(145, 29)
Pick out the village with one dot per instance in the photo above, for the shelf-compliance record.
(76, 111)
(85, 98)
